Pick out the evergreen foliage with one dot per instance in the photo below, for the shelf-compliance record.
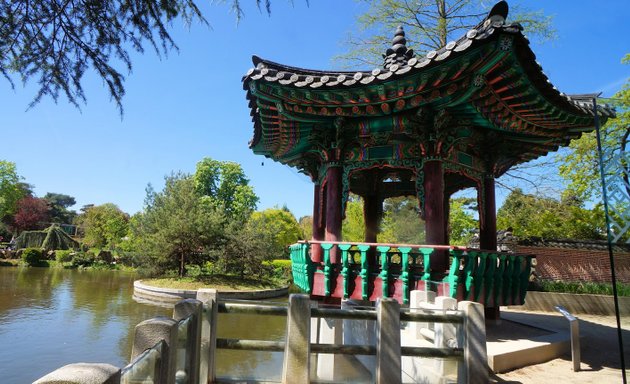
(56, 42)
(52, 238)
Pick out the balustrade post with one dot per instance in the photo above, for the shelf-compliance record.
(328, 269)
(147, 334)
(474, 369)
(365, 271)
(182, 310)
(345, 269)
(297, 353)
(207, 354)
(404, 276)
(382, 249)
(388, 352)
(453, 274)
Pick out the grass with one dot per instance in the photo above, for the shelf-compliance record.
(219, 282)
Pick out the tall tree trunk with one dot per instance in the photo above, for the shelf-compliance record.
(442, 24)
(182, 269)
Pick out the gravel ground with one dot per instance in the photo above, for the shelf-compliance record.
(600, 360)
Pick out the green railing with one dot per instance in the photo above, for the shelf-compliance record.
(369, 270)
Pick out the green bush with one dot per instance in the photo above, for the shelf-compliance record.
(83, 259)
(63, 255)
(580, 287)
(32, 256)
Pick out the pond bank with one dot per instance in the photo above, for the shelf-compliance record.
(161, 296)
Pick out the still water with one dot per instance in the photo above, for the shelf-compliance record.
(53, 317)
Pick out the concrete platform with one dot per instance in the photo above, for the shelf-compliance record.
(520, 340)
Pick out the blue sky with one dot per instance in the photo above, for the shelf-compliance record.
(191, 104)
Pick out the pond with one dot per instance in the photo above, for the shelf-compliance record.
(53, 317)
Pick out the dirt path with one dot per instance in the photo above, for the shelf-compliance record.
(600, 355)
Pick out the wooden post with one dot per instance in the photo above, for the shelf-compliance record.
(488, 232)
(434, 217)
(191, 308)
(388, 352)
(297, 353)
(333, 208)
(207, 355)
(318, 224)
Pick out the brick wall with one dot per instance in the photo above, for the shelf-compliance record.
(574, 264)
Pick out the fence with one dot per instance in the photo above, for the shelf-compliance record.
(488, 277)
(183, 349)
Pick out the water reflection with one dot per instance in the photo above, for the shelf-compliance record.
(247, 364)
(53, 317)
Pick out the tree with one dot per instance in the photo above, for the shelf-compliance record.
(176, 227)
(429, 25)
(224, 186)
(282, 226)
(30, 214)
(11, 189)
(462, 223)
(353, 227)
(56, 42)
(401, 221)
(580, 165)
(542, 216)
(58, 204)
(104, 226)
(306, 225)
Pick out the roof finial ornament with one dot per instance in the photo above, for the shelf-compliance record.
(398, 54)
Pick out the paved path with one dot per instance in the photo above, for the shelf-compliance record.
(599, 348)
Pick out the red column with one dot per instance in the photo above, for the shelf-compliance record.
(318, 227)
(488, 233)
(434, 215)
(333, 207)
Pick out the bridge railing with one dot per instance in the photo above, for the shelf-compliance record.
(368, 271)
(183, 349)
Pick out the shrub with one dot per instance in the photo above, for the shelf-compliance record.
(32, 256)
(83, 259)
(579, 287)
(63, 255)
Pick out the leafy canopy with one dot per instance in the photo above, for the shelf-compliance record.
(56, 42)
(10, 188)
(104, 225)
(429, 25)
(580, 165)
(224, 186)
(541, 216)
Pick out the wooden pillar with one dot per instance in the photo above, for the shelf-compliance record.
(318, 224)
(447, 216)
(434, 215)
(488, 233)
(333, 209)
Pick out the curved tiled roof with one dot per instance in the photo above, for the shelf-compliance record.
(401, 61)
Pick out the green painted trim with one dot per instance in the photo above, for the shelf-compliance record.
(365, 271)
(382, 249)
(405, 272)
(327, 267)
(345, 269)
